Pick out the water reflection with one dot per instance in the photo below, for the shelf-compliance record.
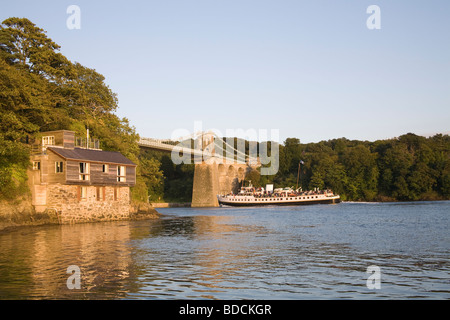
(202, 255)
(314, 253)
(232, 260)
(34, 261)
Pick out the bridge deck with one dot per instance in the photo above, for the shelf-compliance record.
(164, 145)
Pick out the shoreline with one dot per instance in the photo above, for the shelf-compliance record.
(22, 214)
(394, 201)
(170, 204)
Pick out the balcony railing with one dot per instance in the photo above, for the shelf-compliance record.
(37, 149)
(87, 144)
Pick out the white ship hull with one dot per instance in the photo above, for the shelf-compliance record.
(250, 200)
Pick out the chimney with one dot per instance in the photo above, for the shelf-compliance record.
(87, 138)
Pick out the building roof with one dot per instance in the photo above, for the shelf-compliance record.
(90, 155)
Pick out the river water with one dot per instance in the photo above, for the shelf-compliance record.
(304, 252)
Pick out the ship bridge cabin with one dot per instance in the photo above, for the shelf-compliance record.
(79, 181)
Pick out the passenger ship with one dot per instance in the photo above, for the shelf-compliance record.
(250, 196)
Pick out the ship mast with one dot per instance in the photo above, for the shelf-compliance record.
(298, 172)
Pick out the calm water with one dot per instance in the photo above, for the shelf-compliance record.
(307, 252)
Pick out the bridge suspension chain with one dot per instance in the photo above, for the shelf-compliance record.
(196, 135)
(218, 142)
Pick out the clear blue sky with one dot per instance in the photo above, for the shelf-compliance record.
(311, 69)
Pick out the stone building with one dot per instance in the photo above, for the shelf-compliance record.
(79, 182)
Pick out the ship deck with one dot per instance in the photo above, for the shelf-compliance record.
(278, 201)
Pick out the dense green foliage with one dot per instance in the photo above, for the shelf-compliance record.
(166, 181)
(409, 167)
(41, 90)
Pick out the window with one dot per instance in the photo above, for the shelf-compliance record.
(116, 194)
(82, 193)
(36, 165)
(84, 171)
(59, 165)
(105, 168)
(48, 141)
(121, 175)
(100, 193)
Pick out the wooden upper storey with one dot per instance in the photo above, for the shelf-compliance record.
(61, 162)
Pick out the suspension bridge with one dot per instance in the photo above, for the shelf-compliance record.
(220, 167)
(202, 145)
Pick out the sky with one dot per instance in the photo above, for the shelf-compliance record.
(312, 69)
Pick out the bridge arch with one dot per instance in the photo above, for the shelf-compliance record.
(231, 172)
(215, 173)
(222, 170)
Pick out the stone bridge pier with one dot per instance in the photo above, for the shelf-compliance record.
(213, 178)
(213, 173)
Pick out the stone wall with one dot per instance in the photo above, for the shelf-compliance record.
(206, 186)
(231, 176)
(212, 179)
(66, 202)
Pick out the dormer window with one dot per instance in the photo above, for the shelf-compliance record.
(48, 141)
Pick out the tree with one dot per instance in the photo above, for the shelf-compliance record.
(362, 171)
(395, 164)
(255, 177)
(317, 180)
(151, 175)
(42, 90)
(445, 184)
(91, 98)
(28, 46)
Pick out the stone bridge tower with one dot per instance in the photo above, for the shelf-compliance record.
(211, 179)
(213, 176)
